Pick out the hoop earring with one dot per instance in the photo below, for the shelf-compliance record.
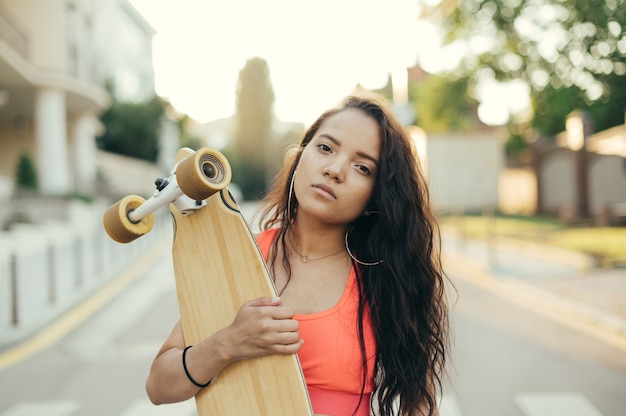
(293, 178)
(362, 263)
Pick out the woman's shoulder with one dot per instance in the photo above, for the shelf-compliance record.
(264, 234)
(265, 238)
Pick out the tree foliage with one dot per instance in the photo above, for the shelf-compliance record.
(188, 139)
(26, 173)
(571, 54)
(442, 104)
(253, 128)
(132, 129)
(553, 105)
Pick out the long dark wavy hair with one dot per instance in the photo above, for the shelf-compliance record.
(405, 293)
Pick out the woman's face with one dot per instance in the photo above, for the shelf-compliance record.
(337, 170)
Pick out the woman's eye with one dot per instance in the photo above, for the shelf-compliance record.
(364, 169)
(324, 147)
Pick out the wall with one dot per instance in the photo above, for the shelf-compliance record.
(607, 181)
(47, 269)
(517, 191)
(463, 170)
(123, 175)
(557, 182)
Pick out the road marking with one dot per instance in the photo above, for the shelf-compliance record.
(95, 341)
(556, 404)
(549, 305)
(449, 406)
(531, 404)
(51, 408)
(83, 311)
(144, 407)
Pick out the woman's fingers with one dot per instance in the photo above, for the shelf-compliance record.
(264, 301)
(270, 306)
(262, 326)
(287, 349)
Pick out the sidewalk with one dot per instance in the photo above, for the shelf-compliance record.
(560, 284)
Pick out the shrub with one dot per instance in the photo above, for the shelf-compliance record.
(26, 174)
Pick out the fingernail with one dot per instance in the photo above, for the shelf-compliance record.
(275, 299)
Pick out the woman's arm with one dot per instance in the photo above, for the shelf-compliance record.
(261, 327)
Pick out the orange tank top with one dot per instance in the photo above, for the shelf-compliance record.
(330, 356)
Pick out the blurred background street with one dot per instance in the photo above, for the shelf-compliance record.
(512, 354)
(517, 111)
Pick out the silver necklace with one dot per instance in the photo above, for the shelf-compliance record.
(306, 259)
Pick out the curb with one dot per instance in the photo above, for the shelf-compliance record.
(599, 324)
(30, 344)
(580, 261)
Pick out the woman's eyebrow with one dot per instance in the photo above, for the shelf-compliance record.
(359, 153)
(366, 156)
(331, 138)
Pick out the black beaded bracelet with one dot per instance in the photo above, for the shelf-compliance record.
(189, 375)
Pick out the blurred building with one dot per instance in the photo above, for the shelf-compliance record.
(463, 169)
(56, 59)
(582, 175)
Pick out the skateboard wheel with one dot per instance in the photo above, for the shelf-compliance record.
(204, 173)
(117, 224)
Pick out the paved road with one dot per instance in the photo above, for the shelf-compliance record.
(507, 361)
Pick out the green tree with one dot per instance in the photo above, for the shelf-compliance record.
(253, 128)
(442, 103)
(26, 173)
(569, 52)
(187, 139)
(133, 129)
(553, 105)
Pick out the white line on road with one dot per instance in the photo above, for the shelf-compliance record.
(54, 408)
(92, 342)
(556, 404)
(143, 407)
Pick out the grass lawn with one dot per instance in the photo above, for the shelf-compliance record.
(606, 244)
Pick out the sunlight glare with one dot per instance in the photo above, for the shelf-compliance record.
(317, 52)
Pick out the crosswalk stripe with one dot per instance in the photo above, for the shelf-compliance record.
(48, 408)
(143, 407)
(531, 404)
(556, 404)
(449, 406)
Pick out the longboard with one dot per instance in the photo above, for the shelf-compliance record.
(217, 267)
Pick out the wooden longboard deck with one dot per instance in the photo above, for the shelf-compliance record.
(218, 266)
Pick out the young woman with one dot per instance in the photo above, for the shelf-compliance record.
(353, 249)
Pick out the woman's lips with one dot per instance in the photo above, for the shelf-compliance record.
(325, 191)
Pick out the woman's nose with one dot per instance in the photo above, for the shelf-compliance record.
(334, 171)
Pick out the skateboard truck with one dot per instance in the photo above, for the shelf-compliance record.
(168, 191)
(193, 179)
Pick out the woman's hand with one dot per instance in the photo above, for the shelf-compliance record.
(261, 327)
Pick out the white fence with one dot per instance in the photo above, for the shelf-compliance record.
(46, 269)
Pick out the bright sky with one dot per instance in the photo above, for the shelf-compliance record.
(316, 50)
